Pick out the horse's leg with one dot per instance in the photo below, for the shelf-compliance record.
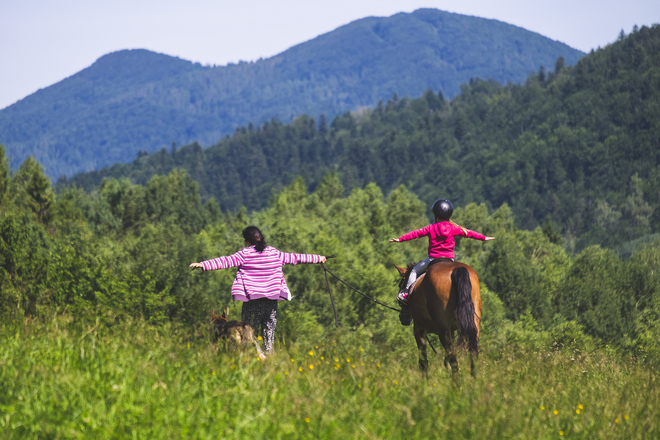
(446, 338)
(474, 351)
(474, 348)
(473, 356)
(447, 342)
(420, 338)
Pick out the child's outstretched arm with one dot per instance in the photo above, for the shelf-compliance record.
(412, 235)
(472, 234)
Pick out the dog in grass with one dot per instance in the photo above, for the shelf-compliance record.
(234, 334)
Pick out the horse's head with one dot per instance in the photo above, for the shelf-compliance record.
(405, 273)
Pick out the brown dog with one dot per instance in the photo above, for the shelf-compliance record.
(234, 333)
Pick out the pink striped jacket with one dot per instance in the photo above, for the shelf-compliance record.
(259, 273)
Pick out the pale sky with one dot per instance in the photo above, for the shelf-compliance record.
(45, 41)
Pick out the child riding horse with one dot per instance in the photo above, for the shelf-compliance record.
(441, 245)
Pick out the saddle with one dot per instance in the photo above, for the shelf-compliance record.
(439, 260)
(431, 263)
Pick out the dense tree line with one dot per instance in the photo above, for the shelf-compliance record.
(123, 251)
(577, 147)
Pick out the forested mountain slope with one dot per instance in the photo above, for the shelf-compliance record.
(133, 101)
(579, 146)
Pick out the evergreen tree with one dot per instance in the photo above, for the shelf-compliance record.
(330, 188)
(32, 188)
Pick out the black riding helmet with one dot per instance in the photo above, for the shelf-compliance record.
(443, 209)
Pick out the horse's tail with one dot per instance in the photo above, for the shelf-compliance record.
(465, 313)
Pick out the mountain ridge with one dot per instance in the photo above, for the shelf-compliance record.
(136, 100)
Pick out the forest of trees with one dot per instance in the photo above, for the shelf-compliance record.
(123, 251)
(576, 147)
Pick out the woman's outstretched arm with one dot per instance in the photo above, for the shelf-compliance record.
(293, 258)
(221, 262)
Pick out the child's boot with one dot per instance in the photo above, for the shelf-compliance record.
(405, 317)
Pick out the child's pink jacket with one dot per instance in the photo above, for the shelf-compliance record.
(441, 237)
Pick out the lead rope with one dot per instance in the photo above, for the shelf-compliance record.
(332, 300)
(328, 271)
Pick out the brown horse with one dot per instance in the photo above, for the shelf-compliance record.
(445, 299)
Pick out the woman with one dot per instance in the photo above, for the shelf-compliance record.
(441, 245)
(259, 282)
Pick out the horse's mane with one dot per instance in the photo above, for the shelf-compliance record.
(404, 279)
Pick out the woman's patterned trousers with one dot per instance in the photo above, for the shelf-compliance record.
(262, 313)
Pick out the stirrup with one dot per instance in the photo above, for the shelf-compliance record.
(405, 317)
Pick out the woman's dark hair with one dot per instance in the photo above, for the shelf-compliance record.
(253, 235)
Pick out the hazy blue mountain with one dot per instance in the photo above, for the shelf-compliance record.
(136, 100)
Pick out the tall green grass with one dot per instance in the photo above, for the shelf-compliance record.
(60, 380)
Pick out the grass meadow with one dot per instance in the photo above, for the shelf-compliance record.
(65, 381)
